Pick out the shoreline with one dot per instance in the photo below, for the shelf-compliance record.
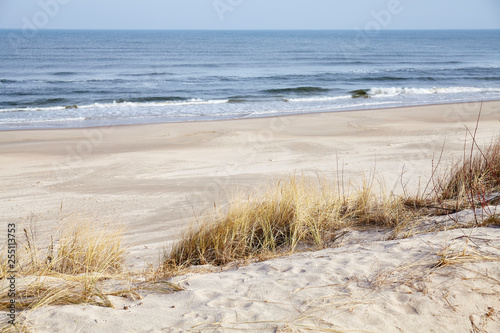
(248, 117)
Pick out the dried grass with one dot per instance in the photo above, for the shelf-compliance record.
(414, 274)
(84, 265)
(474, 181)
(474, 176)
(492, 220)
(298, 213)
(307, 214)
(449, 256)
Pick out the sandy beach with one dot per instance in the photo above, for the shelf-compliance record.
(154, 180)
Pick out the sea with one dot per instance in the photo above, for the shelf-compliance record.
(80, 78)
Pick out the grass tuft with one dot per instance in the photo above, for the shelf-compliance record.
(474, 176)
(296, 214)
(67, 271)
(84, 265)
(84, 248)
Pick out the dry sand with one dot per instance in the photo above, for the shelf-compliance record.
(371, 286)
(152, 179)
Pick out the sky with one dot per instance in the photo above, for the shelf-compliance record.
(250, 14)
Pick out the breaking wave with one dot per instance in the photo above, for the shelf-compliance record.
(120, 103)
(393, 91)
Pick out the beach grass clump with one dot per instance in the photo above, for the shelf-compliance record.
(473, 182)
(81, 247)
(68, 270)
(370, 207)
(291, 215)
(84, 248)
(273, 222)
(474, 176)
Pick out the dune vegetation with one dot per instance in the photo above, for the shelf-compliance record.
(83, 264)
(301, 212)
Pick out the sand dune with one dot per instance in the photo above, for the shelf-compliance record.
(374, 286)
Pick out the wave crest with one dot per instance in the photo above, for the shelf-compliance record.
(119, 103)
(394, 91)
(297, 90)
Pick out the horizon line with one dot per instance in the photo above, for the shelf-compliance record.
(215, 29)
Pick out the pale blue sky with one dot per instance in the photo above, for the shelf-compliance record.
(250, 14)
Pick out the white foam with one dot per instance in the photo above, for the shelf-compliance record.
(194, 101)
(394, 91)
(55, 120)
(51, 108)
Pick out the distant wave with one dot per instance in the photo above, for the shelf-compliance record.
(206, 65)
(343, 63)
(152, 99)
(146, 74)
(484, 67)
(45, 101)
(298, 90)
(394, 78)
(488, 69)
(92, 92)
(23, 93)
(193, 101)
(451, 62)
(82, 81)
(64, 73)
(393, 91)
(294, 77)
(318, 99)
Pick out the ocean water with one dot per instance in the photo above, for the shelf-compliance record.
(55, 79)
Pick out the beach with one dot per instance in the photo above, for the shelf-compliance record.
(154, 180)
